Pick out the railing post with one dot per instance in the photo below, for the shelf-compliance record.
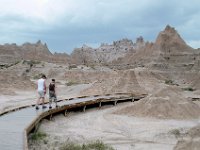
(99, 104)
(84, 108)
(65, 113)
(50, 117)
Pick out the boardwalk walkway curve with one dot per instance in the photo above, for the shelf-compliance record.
(15, 125)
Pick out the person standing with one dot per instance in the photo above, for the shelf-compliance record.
(52, 93)
(41, 88)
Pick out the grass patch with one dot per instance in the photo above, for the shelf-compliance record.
(38, 136)
(97, 145)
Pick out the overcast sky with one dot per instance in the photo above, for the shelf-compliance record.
(66, 24)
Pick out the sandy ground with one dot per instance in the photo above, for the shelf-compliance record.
(122, 132)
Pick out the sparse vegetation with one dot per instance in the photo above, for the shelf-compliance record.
(38, 136)
(97, 145)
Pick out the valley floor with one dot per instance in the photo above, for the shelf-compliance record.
(122, 132)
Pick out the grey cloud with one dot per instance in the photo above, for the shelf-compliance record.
(107, 20)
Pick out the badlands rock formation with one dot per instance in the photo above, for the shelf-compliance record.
(12, 53)
(106, 53)
(168, 51)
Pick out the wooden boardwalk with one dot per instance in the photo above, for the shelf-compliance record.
(16, 125)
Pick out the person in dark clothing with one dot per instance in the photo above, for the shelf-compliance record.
(52, 93)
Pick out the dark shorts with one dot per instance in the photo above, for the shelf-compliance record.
(52, 96)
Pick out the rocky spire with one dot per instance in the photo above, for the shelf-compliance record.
(170, 38)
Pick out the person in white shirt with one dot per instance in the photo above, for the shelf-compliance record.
(41, 88)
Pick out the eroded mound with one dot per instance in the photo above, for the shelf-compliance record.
(165, 104)
(10, 81)
(116, 82)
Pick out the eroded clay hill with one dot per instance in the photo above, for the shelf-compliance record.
(116, 82)
(165, 104)
(163, 101)
(10, 81)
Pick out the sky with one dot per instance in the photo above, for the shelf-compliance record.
(67, 24)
